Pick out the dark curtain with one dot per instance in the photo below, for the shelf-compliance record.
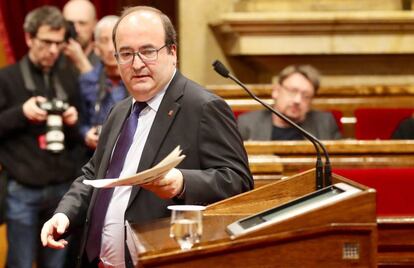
(14, 12)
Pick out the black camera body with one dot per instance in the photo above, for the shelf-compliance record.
(70, 31)
(55, 138)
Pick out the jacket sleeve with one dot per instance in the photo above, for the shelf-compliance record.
(224, 168)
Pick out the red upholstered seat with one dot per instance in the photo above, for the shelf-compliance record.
(338, 115)
(378, 123)
(394, 186)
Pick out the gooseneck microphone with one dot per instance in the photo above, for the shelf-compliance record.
(323, 172)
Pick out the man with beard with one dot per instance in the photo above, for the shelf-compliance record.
(292, 95)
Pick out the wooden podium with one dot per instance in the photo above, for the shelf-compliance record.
(338, 235)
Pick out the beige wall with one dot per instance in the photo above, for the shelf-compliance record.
(316, 5)
(200, 46)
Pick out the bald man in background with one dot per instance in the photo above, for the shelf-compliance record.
(82, 14)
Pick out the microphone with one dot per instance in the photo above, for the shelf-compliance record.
(323, 177)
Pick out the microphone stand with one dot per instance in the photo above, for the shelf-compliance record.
(323, 173)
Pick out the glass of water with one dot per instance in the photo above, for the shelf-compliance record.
(186, 225)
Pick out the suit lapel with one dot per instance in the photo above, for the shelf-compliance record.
(165, 116)
(117, 121)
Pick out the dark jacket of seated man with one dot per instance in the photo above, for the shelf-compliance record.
(257, 125)
(292, 96)
(405, 130)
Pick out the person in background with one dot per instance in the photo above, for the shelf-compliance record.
(165, 110)
(102, 87)
(405, 130)
(40, 148)
(80, 50)
(292, 95)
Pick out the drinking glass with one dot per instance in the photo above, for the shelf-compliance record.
(186, 225)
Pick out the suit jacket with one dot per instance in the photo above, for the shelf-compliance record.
(203, 125)
(20, 153)
(257, 125)
(405, 130)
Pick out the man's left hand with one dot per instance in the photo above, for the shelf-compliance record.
(167, 186)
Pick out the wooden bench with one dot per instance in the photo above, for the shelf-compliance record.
(342, 99)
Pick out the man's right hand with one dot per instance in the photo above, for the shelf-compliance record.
(74, 52)
(53, 229)
(32, 111)
(91, 138)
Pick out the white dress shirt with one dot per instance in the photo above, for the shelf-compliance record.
(113, 236)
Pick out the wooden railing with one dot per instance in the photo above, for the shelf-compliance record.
(289, 157)
(271, 160)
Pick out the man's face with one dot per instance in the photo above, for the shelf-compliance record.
(143, 30)
(104, 47)
(294, 96)
(82, 16)
(45, 47)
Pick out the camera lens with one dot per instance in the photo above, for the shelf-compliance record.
(55, 137)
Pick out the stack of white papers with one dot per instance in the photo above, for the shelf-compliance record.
(159, 170)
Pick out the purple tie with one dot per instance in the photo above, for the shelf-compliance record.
(93, 242)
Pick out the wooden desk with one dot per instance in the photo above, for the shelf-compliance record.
(231, 91)
(395, 241)
(296, 156)
(315, 238)
(395, 234)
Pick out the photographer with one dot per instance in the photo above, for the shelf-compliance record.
(80, 48)
(40, 146)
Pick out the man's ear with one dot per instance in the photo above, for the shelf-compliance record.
(275, 90)
(172, 49)
(28, 39)
(96, 50)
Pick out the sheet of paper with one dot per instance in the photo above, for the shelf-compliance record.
(160, 169)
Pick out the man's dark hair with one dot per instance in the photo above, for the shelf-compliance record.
(308, 71)
(44, 15)
(170, 33)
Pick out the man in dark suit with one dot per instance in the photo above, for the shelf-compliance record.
(177, 112)
(292, 95)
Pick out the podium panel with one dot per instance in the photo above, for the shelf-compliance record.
(340, 234)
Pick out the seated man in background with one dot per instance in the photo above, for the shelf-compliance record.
(102, 87)
(292, 95)
(405, 130)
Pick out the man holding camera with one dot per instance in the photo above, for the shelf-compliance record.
(40, 146)
(80, 48)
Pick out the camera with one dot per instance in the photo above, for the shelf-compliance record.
(55, 138)
(70, 31)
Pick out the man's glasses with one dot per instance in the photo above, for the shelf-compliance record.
(146, 54)
(48, 43)
(293, 92)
